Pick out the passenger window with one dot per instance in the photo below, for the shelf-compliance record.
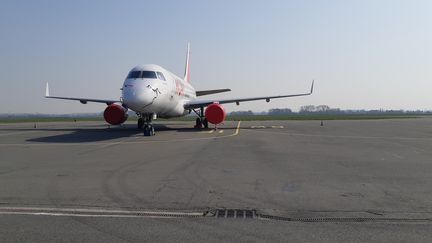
(161, 76)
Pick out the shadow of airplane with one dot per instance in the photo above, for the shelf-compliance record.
(85, 135)
(101, 133)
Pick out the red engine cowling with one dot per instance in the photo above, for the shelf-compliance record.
(215, 113)
(115, 114)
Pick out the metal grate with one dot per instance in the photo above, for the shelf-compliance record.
(234, 213)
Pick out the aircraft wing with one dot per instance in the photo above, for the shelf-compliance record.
(82, 100)
(209, 92)
(203, 103)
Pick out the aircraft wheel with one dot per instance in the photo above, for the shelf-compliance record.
(205, 123)
(140, 123)
(149, 130)
(146, 130)
(198, 123)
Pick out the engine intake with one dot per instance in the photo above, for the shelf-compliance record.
(215, 113)
(115, 114)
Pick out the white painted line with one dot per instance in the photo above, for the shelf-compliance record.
(95, 215)
(211, 131)
(220, 131)
(90, 210)
(86, 212)
(279, 127)
(119, 142)
(16, 133)
(257, 127)
(237, 129)
(339, 136)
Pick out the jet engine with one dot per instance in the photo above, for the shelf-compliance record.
(215, 113)
(115, 114)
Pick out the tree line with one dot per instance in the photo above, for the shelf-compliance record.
(325, 109)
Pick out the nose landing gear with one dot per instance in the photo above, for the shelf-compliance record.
(149, 130)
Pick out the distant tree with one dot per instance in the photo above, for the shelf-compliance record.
(241, 113)
(322, 108)
(307, 109)
(285, 111)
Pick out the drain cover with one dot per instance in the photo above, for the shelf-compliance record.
(235, 213)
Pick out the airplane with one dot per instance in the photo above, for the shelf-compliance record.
(152, 91)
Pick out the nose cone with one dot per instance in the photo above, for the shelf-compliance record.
(137, 99)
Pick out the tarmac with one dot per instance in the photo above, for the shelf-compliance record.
(355, 180)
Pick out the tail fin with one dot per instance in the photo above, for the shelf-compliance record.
(187, 67)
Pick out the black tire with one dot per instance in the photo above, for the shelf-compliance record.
(205, 123)
(146, 131)
(140, 123)
(198, 123)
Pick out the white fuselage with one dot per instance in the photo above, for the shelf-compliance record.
(151, 89)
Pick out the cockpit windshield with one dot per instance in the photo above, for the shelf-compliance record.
(141, 74)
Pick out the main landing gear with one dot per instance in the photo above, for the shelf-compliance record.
(145, 121)
(201, 121)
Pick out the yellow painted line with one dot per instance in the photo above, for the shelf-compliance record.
(237, 129)
(121, 142)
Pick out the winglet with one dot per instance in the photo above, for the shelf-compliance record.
(311, 91)
(47, 90)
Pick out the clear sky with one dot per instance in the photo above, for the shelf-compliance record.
(365, 54)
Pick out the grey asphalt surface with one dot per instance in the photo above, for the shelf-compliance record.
(370, 169)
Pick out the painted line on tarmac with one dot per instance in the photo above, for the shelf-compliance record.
(16, 133)
(262, 127)
(211, 131)
(339, 136)
(237, 129)
(120, 142)
(96, 213)
(220, 131)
